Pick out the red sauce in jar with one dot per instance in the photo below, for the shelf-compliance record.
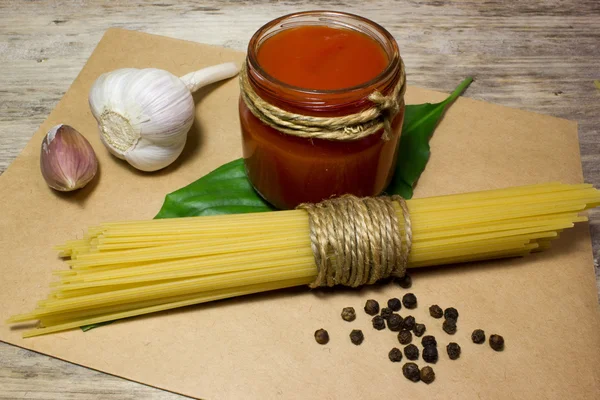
(322, 58)
(320, 71)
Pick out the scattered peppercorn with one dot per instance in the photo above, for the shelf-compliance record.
(436, 311)
(430, 354)
(394, 304)
(478, 336)
(405, 282)
(371, 307)
(409, 323)
(386, 312)
(451, 312)
(395, 355)
(378, 322)
(419, 330)
(321, 336)
(411, 352)
(497, 342)
(411, 372)
(348, 314)
(453, 350)
(357, 337)
(409, 300)
(449, 326)
(428, 340)
(405, 337)
(395, 322)
(406, 328)
(427, 375)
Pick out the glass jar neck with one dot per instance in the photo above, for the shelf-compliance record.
(323, 102)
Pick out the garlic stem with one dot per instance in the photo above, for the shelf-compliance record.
(197, 79)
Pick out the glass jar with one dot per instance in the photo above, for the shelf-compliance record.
(287, 170)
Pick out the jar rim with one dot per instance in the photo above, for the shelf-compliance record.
(326, 16)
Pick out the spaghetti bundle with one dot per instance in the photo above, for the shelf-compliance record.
(124, 269)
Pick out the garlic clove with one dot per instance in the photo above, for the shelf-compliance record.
(149, 156)
(67, 160)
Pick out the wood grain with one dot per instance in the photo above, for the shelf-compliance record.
(540, 56)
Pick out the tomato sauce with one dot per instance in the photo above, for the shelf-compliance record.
(322, 58)
(320, 71)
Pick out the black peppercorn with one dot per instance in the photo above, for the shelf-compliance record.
(436, 311)
(348, 314)
(451, 312)
(404, 337)
(449, 326)
(357, 337)
(411, 352)
(427, 375)
(478, 336)
(497, 342)
(395, 355)
(394, 304)
(321, 336)
(386, 312)
(428, 340)
(419, 330)
(371, 307)
(409, 323)
(430, 354)
(411, 372)
(453, 350)
(378, 322)
(394, 322)
(405, 281)
(409, 300)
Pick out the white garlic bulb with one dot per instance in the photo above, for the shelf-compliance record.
(144, 115)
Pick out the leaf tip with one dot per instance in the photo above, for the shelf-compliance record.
(459, 90)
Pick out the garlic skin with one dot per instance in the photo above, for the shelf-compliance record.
(67, 160)
(144, 115)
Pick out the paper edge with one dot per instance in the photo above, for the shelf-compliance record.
(98, 370)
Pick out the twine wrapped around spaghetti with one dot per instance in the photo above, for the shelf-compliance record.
(357, 241)
(348, 127)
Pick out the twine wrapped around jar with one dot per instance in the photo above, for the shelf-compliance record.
(348, 127)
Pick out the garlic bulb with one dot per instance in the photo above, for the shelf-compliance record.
(144, 115)
(67, 160)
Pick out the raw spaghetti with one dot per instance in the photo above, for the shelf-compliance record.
(124, 269)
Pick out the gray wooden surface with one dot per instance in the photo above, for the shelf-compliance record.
(541, 56)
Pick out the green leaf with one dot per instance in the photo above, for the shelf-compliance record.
(86, 328)
(419, 123)
(226, 190)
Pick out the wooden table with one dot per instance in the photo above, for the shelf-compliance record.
(540, 56)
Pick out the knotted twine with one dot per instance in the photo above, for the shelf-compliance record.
(344, 128)
(357, 241)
